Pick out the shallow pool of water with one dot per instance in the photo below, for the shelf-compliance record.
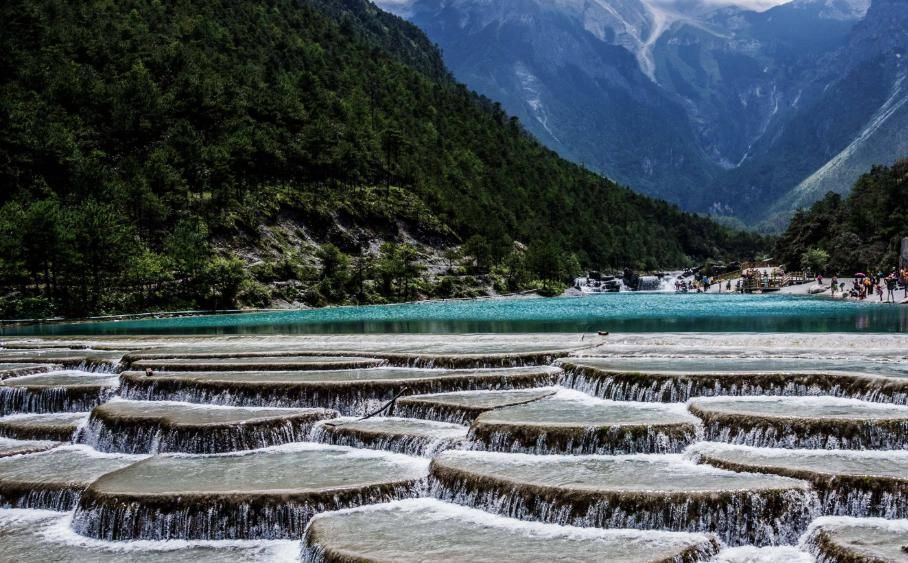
(626, 312)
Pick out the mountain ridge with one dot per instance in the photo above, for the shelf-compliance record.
(713, 107)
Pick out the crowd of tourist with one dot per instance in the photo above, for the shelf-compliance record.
(865, 286)
(886, 287)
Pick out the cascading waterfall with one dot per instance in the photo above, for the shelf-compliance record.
(98, 367)
(856, 483)
(52, 496)
(441, 413)
(471, 362)
(53, 399)
(410, 444)
(677, 389)
(147, 437)
(616, 440)
(263, 516)
(350, 400)
(745, 517)
(857, 436)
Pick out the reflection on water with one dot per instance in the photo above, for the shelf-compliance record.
(618, 312)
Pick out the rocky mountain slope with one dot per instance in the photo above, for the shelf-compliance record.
(714, 105)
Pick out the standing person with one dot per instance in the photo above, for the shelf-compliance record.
(879, 290)
(905, 281)
(835, 284)
(728, 285)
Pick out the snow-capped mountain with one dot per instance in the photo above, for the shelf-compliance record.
(736, 107)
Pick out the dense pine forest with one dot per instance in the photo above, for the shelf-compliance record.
(215, 153)
(860, 232)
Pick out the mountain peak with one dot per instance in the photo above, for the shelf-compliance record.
(837, 9)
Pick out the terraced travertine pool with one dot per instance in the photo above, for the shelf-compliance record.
(518, 447)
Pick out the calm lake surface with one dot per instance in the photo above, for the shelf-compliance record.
(618, 312)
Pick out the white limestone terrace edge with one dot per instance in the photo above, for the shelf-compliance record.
(74, 373)
(796, 401)
(610, 364)
(680, 460)
(416, 464)
(897, 526)
(205, 406)
(444, 429)
(40, 443)
(14, 441)
(430, 373)
(60, 531)
(676, 409)
(46, 416)
(442, 511)
(482, 392)
(753, 554)
(854, 346)
(699, 449)
(88, 451)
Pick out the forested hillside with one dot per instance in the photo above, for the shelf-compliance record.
(862, 232)
(213, 153)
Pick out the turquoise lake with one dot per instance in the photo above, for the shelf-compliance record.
(617, 312)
